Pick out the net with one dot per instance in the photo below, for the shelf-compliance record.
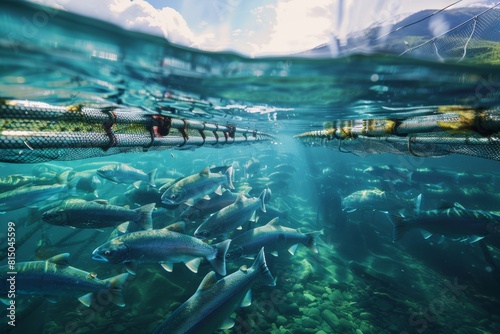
(458, 130)
(32, 132)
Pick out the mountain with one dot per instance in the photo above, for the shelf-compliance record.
(452, 30)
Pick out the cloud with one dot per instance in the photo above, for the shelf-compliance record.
(298, 25)
(272, 28)
(137, 15)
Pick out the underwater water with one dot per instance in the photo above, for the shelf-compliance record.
(368, 275)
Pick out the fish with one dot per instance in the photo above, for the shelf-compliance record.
(14, 181)
(162, 246)
(123, 173)
(29, 195)
(89, 182)
(379, 200)
(251, 167)
(451, 221)
(97, 214)
(191, 188)
(205, 207)
(210, 307)
(47, 168)
(272, 237)
(55, 277)
(218, 225)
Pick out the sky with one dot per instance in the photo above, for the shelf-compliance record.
(253, 28)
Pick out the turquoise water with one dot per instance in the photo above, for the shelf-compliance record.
(360, 281)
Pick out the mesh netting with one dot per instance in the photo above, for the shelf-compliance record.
(33, 132)
(467, 132)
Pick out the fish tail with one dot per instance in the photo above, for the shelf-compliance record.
(418, 203)
(260, 265)
(145, 220)
(312, 238)
(115, 288)
(230, 175)
(262, 198)
(398, 226)
(219, 260)
(151, 177)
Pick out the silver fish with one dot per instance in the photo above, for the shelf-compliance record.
(209, 308)
(375, 199)
(55, 277)
(162, 246)
(29, 195)
(123, 173)
(97, 214)
(196, 186)
(272, 237)
(454, 222)
(231, 217)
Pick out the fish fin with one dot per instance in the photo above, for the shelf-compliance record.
(189, 202)
(253, 219)
(239, 228)
(229, 174)
(87, 299)
(311, 240)
(458, 206)
(209, 280)
(219, 260)
(274, 253)
(115, 288)
(218, 191)
(131, 267)
(206, 197)
(122, 228)
(247, 300)
(260, 265)
(193, 264)
(249, 257)
(60, 259)
(205, 172)
(179, 227)
(274, 222)
(227, 324)
(262, 198)
(239, 199)
(426, 234)
(244, 268)
(418, 203)
(350, 211)
(398, 226)
(5, 301)
(151, 177)
(168, 266)
(441, 240)
(101, 201)
(145, 216)
(293, 249)
(136, 184)
(475, 238)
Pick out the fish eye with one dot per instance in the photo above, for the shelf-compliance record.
(107, 253)
(172, 197)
